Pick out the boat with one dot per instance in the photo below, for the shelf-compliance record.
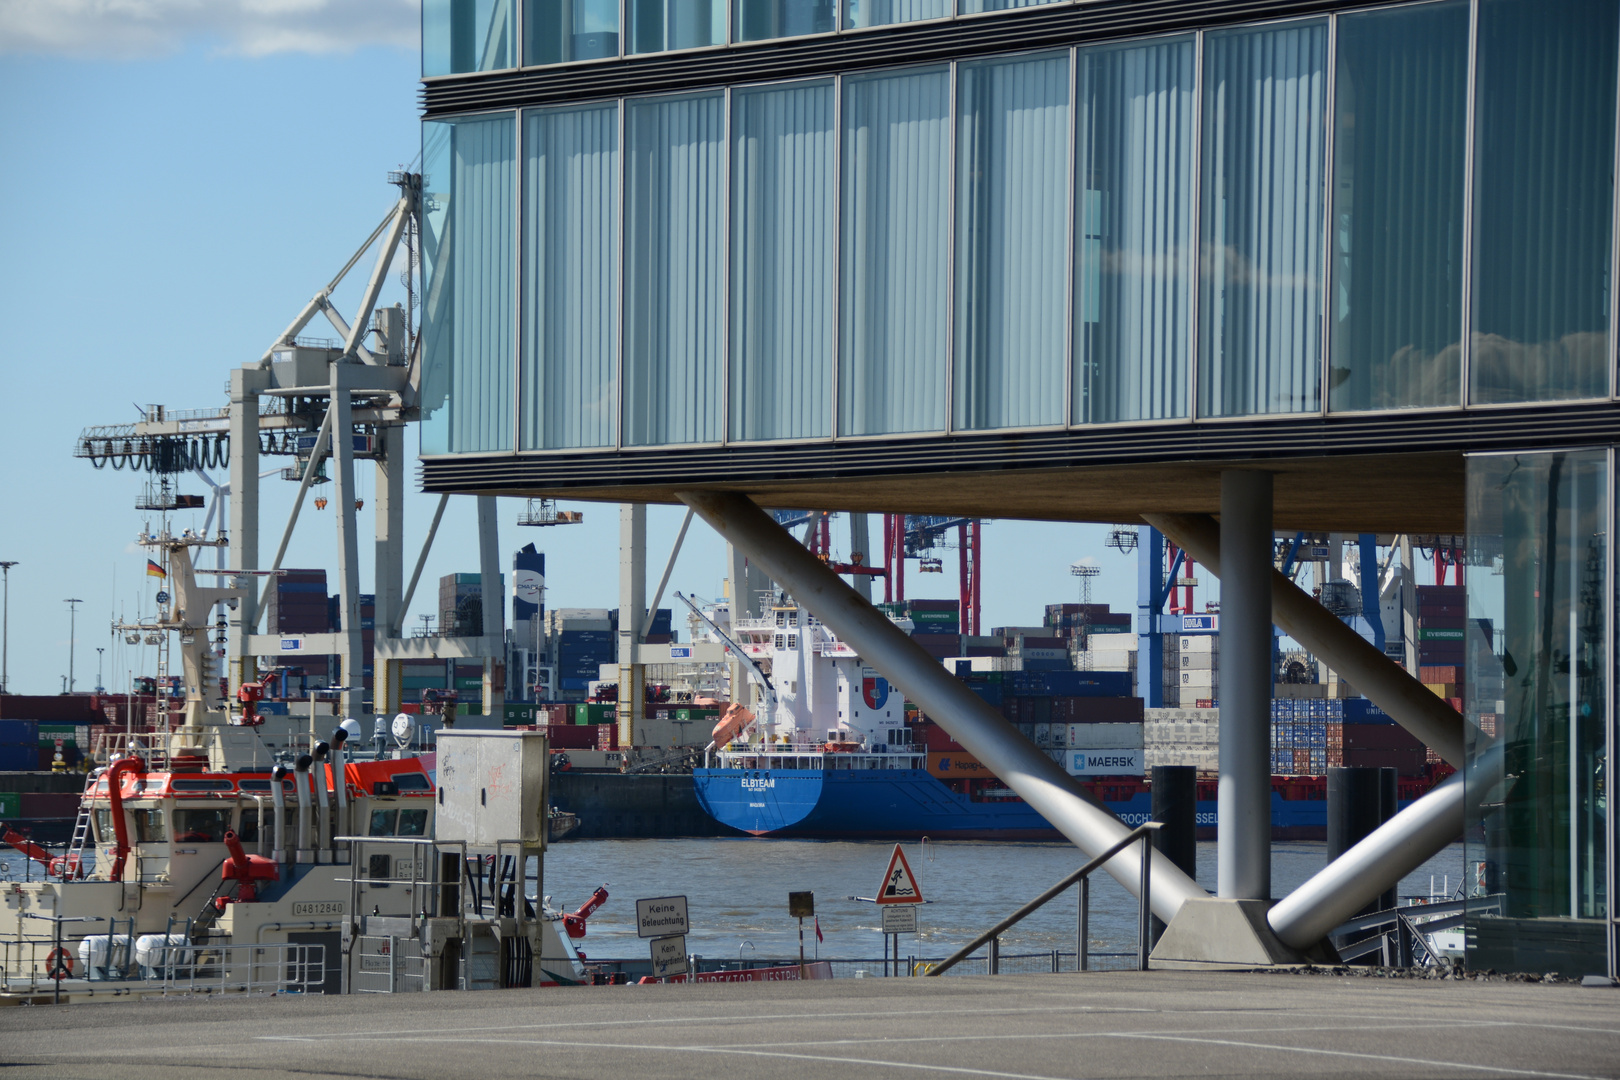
(238, 853)
(835, 757)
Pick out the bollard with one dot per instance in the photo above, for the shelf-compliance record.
(1175, 806)
(1359, 800)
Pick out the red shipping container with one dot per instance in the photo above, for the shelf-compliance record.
(1379, 737)
(607, 736)
(1407, 762)
(1440, 673)
(572, 736)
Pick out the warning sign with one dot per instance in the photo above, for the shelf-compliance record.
(899, 883)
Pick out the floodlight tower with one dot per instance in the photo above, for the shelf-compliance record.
(1086, 570)
(5, 626)
(73, 617)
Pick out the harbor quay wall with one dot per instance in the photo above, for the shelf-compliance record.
(613, 806)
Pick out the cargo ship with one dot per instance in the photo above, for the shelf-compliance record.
(834, 755)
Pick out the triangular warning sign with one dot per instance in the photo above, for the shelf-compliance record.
(899, 883)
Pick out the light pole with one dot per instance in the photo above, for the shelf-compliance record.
(99, 687)
(73, 618)
(5, 627)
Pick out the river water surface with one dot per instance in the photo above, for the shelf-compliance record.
(737, 892)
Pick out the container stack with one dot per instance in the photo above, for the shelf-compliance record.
(1062, 712)
(1182, 737)
(582, 640)
(1198, 675)
(461, 604)
(1299, 737)
(416, 676)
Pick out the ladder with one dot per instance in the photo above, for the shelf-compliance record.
(71, 866)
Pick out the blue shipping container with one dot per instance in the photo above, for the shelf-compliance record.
(19, 732)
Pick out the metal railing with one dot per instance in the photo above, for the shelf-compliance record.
(1143, 833)
(55, 965)
(388, 964)
(249, 969)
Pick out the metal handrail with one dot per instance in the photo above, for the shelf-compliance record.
(1143, 832)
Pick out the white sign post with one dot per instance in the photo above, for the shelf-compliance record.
(668, 956)
(900, 919)
(897, 897)
(662, 916)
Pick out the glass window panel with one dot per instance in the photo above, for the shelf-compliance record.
(1260, 300)
(760, 19)
(782, 262)
(468, 240)
(149, 826)
(661, 25)
(413, 822)
(466, 35)
(884, 12)
(1537, 653)
(201, 826)
(1543, 200)
(895, 252)
(1134, 207)
(570, 276)
(675, 270)
(1012, 247)
(970, 7)
(557, 31)
(1400, 123)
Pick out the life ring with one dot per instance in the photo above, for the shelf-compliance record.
(59, 965)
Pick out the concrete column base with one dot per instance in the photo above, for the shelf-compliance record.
(1223, 934)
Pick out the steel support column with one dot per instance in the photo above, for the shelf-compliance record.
(1383, 682)
(1149, 642)
(493, 602)
(244, 515)
(343, 494)
(388, 560)
(631, 711)
(963, 714)
(1350, 882)
(1244, 854)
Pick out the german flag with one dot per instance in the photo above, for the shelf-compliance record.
(154, 570)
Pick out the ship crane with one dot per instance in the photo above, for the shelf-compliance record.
(917, 536)
(750, 665)
(331, 405)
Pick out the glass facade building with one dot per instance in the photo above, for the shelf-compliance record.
(678, 241)
(1297, 217)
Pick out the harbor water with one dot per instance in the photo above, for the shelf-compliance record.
(737, 893)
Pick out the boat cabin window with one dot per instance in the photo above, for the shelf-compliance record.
(264, 785)
(412, 781)
(149, 827)
(382, 822)
(413, 823)
(197, 784)
(201, 826)
(248, 830)
(104, 827)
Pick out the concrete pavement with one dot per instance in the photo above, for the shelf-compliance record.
(1105, 1024)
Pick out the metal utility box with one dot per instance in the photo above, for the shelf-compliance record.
(492, 787)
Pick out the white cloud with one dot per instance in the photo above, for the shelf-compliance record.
(124, 29)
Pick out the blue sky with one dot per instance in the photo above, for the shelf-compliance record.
(180, 178)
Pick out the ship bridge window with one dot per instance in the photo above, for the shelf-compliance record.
(413, 823)
(201, 826)
(382, 822)
(149, 827)
(412, 781)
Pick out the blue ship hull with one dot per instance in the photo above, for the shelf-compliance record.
(909, 803)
